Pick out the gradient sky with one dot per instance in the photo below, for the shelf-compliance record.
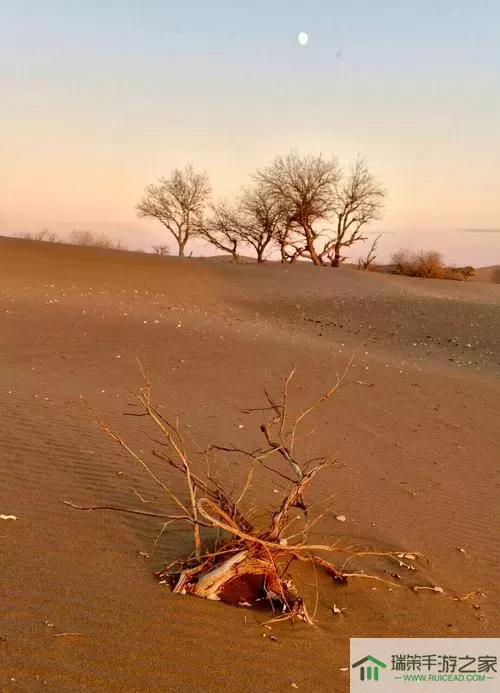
(101, 97)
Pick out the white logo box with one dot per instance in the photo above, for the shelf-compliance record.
(423, 665)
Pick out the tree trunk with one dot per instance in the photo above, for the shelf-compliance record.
(315, 258)
(335, 262)
(234, 252)
(310, 247)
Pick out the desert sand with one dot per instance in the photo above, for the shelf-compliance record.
(416, 428)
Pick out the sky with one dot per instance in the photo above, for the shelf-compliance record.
(98, 99)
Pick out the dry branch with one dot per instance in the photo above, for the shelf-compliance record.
(249, 562)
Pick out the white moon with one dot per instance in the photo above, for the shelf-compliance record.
(303, 38)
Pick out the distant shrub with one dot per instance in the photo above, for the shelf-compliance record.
(43, 235)
(496, 275)
(422, 264)
(428, 264)
(460, 273)
(160, 250)
(94, 240)
(403, 262)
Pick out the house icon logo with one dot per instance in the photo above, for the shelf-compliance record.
(368, 672)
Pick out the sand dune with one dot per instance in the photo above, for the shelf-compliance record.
(416, 429)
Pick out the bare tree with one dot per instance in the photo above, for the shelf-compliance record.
(178, 202)
(359, 198)
(371, 256)
(223, 229)
(312, 191)
(305, 190)
(160, 249)
(263, 221)
(255, 220)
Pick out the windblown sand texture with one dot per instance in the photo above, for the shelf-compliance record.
(416, 427)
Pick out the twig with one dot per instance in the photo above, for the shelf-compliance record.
(317, 590)
(395, 555)
(470, 595)
(181, 453)
(322, 399)
(143, 500)
(164, 527)
(258, 458)
(132, 511)
(248, 482)
(294, 498)
(260, 409)
(232, 528)
(283, 451)
(143, 464)
(371, 577)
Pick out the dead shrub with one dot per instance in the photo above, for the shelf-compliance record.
(160, 250)
(43, 235)
(89, 239)
(242, 554)
(368, 263)
(459, 273)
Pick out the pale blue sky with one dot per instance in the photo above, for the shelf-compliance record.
(100, 98)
